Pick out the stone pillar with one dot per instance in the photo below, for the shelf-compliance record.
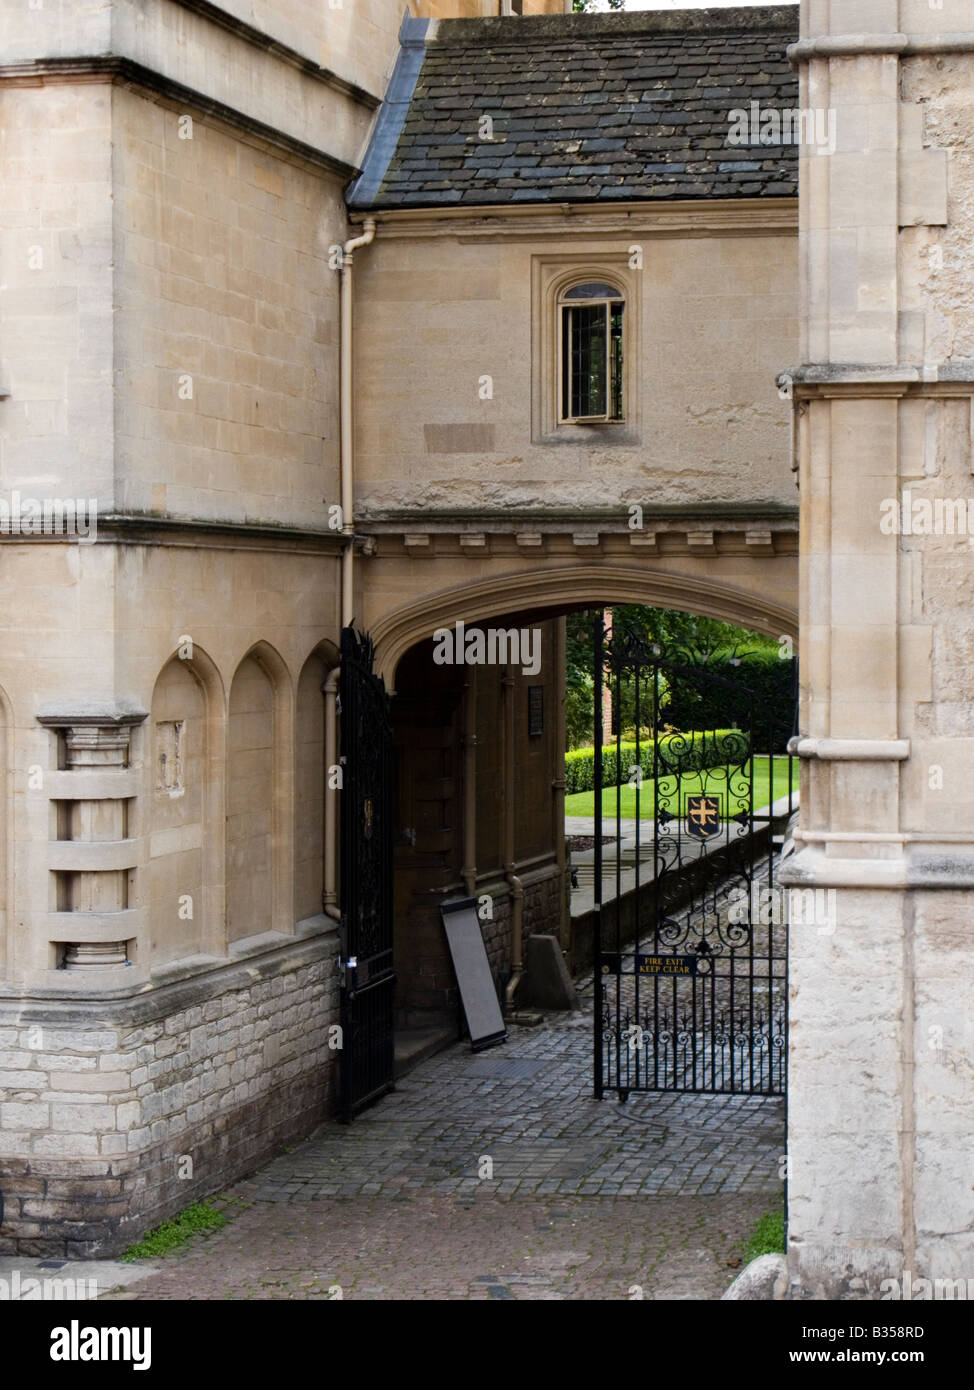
(881, 1169)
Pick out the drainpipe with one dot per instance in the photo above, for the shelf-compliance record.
(329, 898)
(469, 870)
(517, 918)
(345, 412)
(510, 864)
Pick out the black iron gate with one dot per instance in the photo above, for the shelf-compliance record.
(368, 808)
(691, 950)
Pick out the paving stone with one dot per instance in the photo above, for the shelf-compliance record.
(587, 1198)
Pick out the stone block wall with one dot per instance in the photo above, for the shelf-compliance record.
(114, 1118)
(880, 1066)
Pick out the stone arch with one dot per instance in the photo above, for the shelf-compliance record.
(260, 794)
(570, 587)
(184, 760)
(315, 822)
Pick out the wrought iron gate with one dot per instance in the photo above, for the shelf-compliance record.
(691, 950)
(368, 808)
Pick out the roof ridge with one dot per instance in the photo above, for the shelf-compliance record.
(519, 29)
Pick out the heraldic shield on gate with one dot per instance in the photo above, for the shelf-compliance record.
(690, 965)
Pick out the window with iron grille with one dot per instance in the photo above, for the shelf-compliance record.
(591, 353)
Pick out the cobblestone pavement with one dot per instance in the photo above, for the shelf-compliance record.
(498, 1176)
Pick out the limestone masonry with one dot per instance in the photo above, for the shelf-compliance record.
(284, 294)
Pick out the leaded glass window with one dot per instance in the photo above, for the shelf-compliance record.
(591, 353)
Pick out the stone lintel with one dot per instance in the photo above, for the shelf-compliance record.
(94, 716)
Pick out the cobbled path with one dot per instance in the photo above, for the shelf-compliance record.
(498, 1176)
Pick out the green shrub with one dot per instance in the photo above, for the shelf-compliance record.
(766, 701)
(677, 753)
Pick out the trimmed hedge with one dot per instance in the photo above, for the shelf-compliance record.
(677, 753)
(697, 703)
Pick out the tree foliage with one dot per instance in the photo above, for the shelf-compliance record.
(736, 653)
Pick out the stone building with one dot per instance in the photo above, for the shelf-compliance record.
(304, 299)
(881, 1106)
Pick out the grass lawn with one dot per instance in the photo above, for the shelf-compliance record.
(713, 780)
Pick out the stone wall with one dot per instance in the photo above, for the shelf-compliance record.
(880, 1112)
(711, 318)
(115, 1116)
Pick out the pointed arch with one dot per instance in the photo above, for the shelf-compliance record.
(315, 802)
(260, 795)
(570, 587)
(184, 760)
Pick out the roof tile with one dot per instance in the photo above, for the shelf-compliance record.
(640, 103)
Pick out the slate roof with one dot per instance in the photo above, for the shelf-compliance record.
(591, 106)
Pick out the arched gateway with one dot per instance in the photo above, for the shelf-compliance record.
(479, 804)
(759, 593)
